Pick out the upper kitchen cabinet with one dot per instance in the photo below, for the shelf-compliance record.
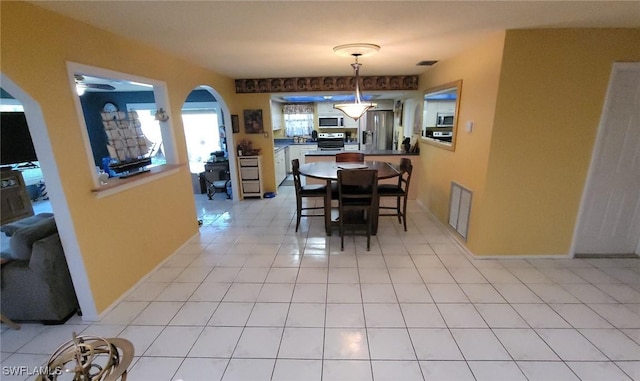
(326, 109)
(383, 104)
(277, 117)
(350, 123)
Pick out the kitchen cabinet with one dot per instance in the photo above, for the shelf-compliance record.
(287, 160)
(326, 109)
(433, 108)
(250, 168)
(297, 151)
(277, 117)
(383, 104)
(350, 123)
(351, 147)
(280, 166)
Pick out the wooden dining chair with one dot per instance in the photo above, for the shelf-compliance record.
(400, 191)
(349, 157)
(306, 191)
(357, 192)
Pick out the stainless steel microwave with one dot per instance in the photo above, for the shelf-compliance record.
(444, 119)
(330, 121)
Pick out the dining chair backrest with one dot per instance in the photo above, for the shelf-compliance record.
(295, 169)
(399, 191)
(357, 192)
(313, 190)
(349, 157)
(357, 184)
(405, 176)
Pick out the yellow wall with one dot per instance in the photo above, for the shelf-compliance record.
(262, 141)
(552, 89)
(124, 236)
(536, 97)
(479, 69)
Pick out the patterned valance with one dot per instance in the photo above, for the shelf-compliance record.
(297, 108)
(280, 85)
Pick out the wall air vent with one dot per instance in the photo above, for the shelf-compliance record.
(426, 63)
(460, 209)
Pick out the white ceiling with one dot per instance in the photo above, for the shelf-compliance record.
(262, 39)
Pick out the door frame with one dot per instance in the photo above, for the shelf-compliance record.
(597, 147)
(59, 205)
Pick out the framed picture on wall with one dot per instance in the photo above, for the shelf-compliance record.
(235, 124)
(253, 122)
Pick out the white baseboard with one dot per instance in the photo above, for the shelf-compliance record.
(138, 283)
(457, 239)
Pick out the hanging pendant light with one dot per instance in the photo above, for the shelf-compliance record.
(356, 109)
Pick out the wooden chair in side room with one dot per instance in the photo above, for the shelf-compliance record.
(400, 191)
(349, 157)
(357, 192)
(306, 191)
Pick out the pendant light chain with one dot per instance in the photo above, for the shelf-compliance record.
(358, 108)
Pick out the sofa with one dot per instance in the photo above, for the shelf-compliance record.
(35, 283)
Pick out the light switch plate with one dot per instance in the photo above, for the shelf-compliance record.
(469, 126)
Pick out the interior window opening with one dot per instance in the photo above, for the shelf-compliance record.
(126, 128)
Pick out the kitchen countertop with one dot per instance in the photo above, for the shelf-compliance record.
(382, 152)
(280, 144)
(288, 142)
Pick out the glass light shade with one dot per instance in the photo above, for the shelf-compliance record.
(354, 110)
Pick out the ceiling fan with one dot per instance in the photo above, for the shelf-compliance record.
(82, 84)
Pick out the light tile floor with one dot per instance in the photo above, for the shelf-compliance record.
(251, 299)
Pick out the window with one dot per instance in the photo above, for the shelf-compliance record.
(298, 119)
(151, 130)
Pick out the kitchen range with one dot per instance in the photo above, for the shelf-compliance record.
(331, 141)
(443, 135)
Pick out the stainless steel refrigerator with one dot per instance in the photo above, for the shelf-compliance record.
(377, 133)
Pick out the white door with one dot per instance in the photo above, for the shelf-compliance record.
(609, 219)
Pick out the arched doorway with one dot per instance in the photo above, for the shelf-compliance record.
(208, 135)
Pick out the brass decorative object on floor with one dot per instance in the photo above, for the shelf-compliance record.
(90, 358)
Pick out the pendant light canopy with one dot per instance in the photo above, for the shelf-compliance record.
(356, 109)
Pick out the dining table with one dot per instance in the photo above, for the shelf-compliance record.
(328, 171)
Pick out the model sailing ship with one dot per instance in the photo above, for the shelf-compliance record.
(128, 147)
